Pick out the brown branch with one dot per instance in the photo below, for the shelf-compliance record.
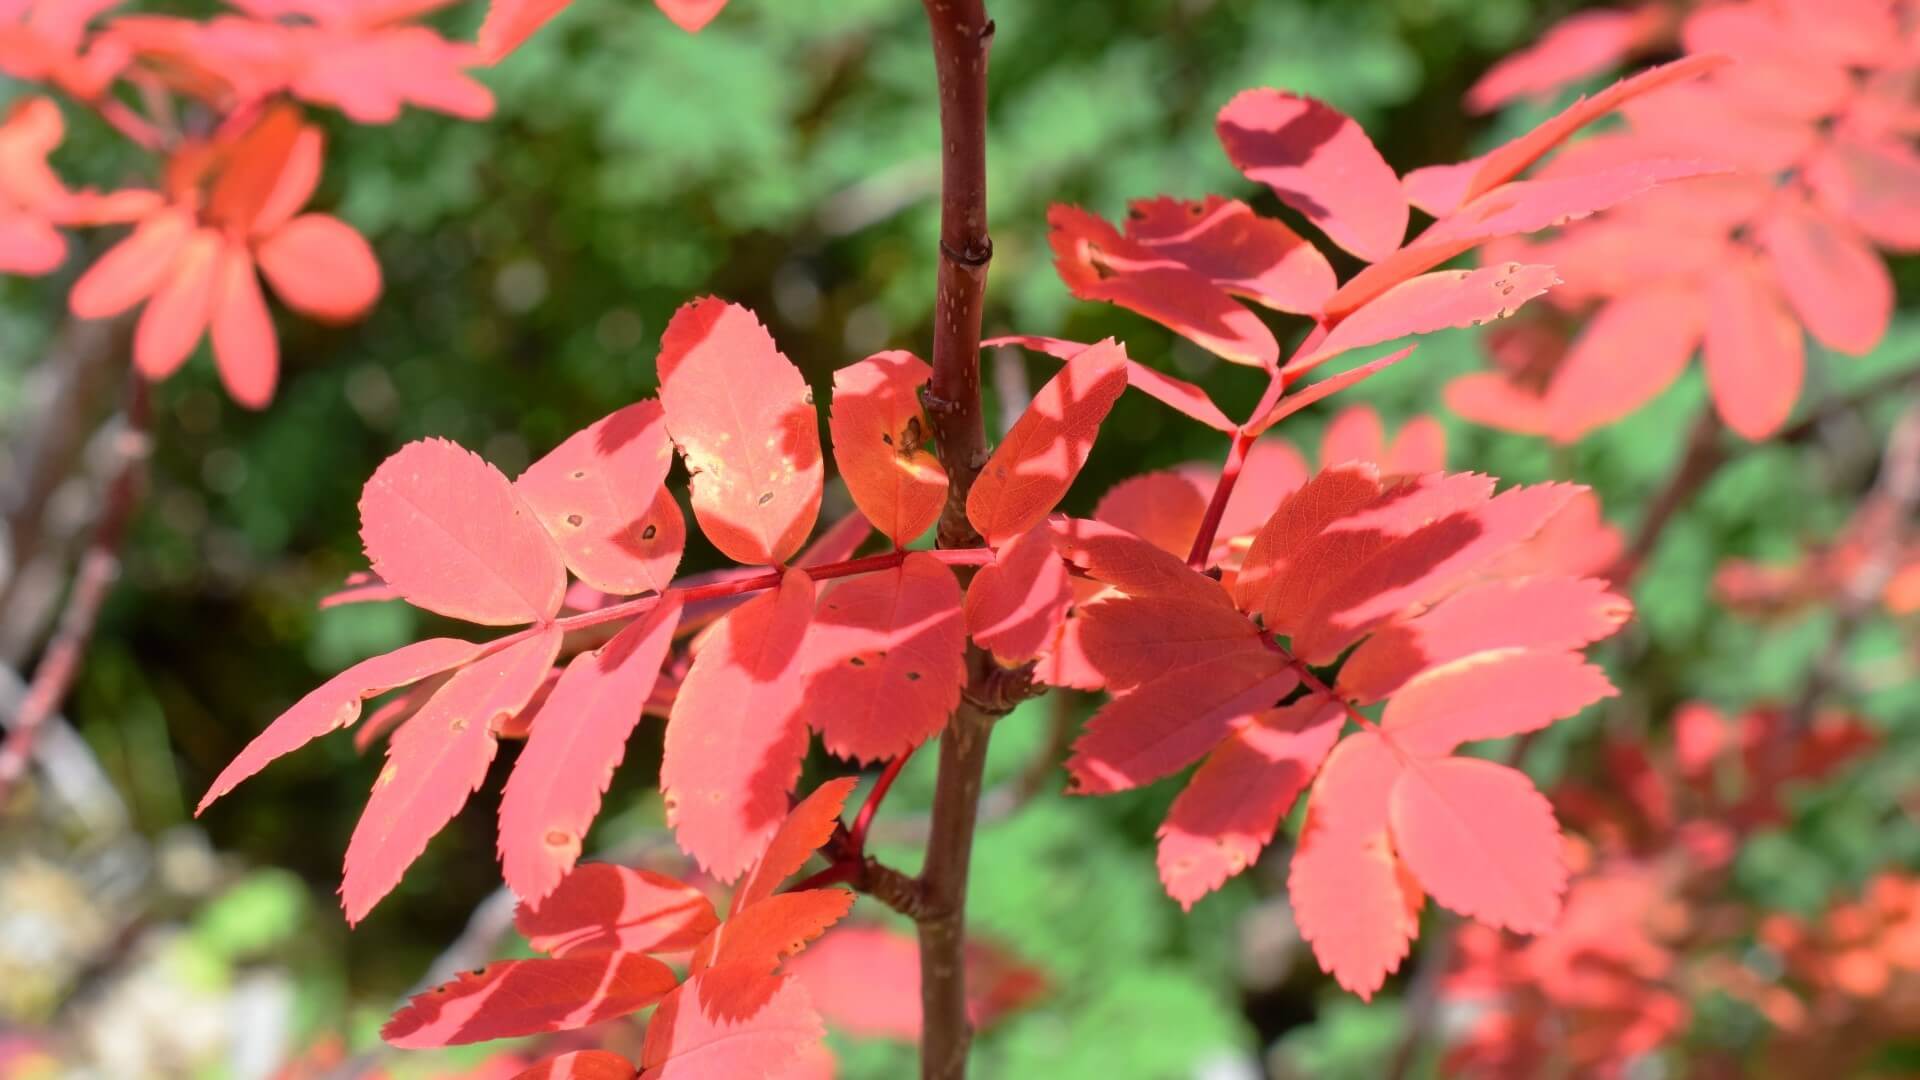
(962, 35)
(1887, 511)
(93, 580)
(1706, 452)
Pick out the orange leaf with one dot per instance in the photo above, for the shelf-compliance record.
(801, 834)
(879, 441)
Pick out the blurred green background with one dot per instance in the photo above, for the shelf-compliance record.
(785, 158)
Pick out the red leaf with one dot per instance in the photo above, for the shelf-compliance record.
(1352, 899)
(581, 1065)
(1421, 447)
(1754, 354)
(1439, 189)
(601, 494)
(1513, 208)
(1482, 841)
(1035, 464)
(1224, 241)
(1118, 558)
(1237, 797)
(800, 835)
(513, 998)
(730, 1021)
(743, 418)
(577, 740)
(1320, 568)
(434, 762)
(1549, 613)
(1016, 603)
(335, 704)
(600, 907)
(1436, 301)
(1165, 725)
(1330, 495)
(879, 441)
(736, 736)
(1162, 508)
(1631, 350)
(773, 929)
(885, 659)
(1832, 278)
(1097, 263)
(1134, 639)
(1177, 394)
(446, 530)
(1421, 566)
(1490, 695)
(1320, 163)
(1582, 44)
(691, 15)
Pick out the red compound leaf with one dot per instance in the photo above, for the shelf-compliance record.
(599, 907)
(1036, 463)
(734, 1020)
(1755, 356)
(1164, 725)
(577, 739)
(1491, 694)
(513, 998)
(743, 418)
(1320, 163)
(1097, 263)
(447, 532)
(801, 834)
(602, 496)
(1436, 301)
(1238, 796)
(1582, 44)
(768, 932)
(736, 735)
(336, 704)
(880, 436)
(434, 762)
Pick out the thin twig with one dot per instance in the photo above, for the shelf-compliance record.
(93, 580)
